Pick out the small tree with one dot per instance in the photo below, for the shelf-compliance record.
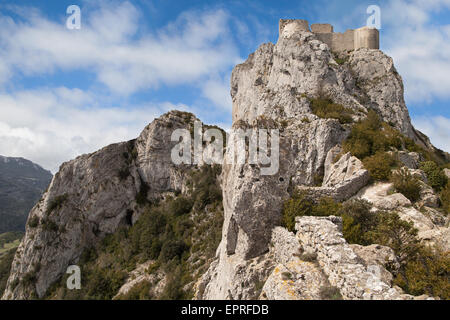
(405, 183)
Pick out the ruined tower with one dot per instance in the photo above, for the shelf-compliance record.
(364, 37)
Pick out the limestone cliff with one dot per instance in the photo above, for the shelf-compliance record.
(93, 196)
(276, 86)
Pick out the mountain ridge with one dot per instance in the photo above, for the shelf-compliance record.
(22, 183)
(344, 130)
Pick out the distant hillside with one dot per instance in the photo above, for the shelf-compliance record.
(22, 183)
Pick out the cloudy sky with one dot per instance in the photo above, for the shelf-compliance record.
(67, 92)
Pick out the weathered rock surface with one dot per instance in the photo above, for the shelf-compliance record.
(447, 172)
(95, 194)
(88, 198)
(140, 275)
(431, 224)
(409, 159)
(273, 88)
(342, 179)
(343, 267)
(295, 280)
(379, 195)
(376, 258)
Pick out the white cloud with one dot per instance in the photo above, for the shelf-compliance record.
(419, 47)
(52, 126)
(110, 45)
(218, 91)
(436, 128)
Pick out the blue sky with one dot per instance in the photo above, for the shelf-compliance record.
(67, 92)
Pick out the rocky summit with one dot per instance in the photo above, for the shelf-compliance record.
(358, 208)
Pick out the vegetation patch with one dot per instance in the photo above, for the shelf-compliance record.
(435, 175)
(405, 183)
(423, 270)
(380, 165)
(124, 173)
(57, 202)
(325, 108)
(33, 222)
(445, 198)
(179, 234)
(371, 136)
(6, 260)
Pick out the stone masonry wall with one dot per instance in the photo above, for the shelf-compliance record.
(350, 40)
(343, 267)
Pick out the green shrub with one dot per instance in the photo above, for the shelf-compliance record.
(57, 202)
(174, 287)
(33, 222)
(397, 234)
(140, 291)
(297, 205)
(180, 206)
(326, 206)
(379, 166)
(357, 221)
(5, 268)
(103, 284)
(205, 189)
(308, 256)
(166, 233)
(445, 198)
(427, 272)
(286, 275)
(406, 184)
(325, 108)
(435, 175)
(141, 197)
(173, 249)
(371, 136)
(49, 225)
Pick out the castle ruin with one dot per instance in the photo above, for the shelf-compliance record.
(349, 40)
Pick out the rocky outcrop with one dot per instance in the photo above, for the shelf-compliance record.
(141, 275)
(447, 172)
(410, 159)
(274, 88)
(318, 258)
(341, 180)
(430, 223)
(91, 197)
(377, 258)
(380, 196)
(343, 267)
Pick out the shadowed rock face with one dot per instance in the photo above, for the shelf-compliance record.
(91, 197)
(273, 88)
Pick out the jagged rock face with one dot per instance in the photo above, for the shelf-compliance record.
(139, 275)
(274, 86)
(432, 226)
(345, 269)
(88, 198)
(274, 79)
